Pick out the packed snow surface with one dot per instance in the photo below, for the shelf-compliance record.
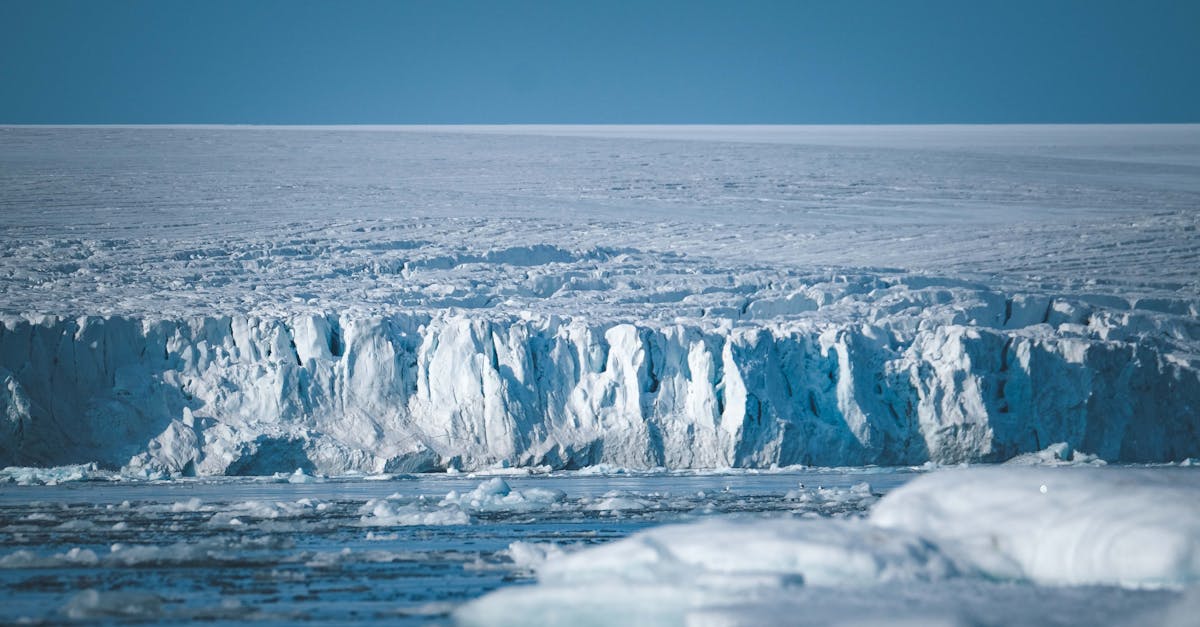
(983, 533)
(206, 301)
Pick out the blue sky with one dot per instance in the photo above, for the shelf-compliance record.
(575, 61)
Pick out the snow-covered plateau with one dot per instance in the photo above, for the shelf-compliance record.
(207, 301)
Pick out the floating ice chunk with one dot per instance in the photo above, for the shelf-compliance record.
(832, 500)
(496, 495)
(531, 555)
(264, 510)
(113, 604)
(25, 558)
(191, 505)
(22, 475)
(617, 503)
(506, 471)
(299, 476)
(603, 470)
(76, 525)
(965, 527)
(778, 553)
(385, 513)
(657, 576)
(132, 556)
(1059, 454)
(1057, 526)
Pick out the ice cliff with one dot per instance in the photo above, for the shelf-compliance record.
(247, 301)
(903, 384)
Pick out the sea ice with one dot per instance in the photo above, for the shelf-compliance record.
(384, 513)
(1122, 527)
(495, 494)
(1127, 528)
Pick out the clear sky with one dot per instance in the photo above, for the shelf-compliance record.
(610, 61)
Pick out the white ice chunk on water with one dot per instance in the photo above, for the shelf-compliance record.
(737, 554)
(496, 495)
(657, 576)
(491, 495)
(191, 505)
(1089, 526)
(1058, 454)
(24, 475)
(532, 555)
(618, 503)
(856, 497)
(1060, 526)
(120, 604)
(299, 476)
(384, 513)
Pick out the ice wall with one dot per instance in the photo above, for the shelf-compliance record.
(414, 392)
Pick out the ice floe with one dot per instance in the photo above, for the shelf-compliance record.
(1126, 528)
(1123, 527)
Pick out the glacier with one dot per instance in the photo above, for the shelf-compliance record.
(410, 393)
(195, 301)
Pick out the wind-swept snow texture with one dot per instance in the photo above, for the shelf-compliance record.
(252, 301)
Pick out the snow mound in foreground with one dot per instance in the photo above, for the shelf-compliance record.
(1056, 527)
(1045, 526)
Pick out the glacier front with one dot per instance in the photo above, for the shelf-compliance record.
(463, 298)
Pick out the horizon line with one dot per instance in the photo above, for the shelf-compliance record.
(512, 125)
